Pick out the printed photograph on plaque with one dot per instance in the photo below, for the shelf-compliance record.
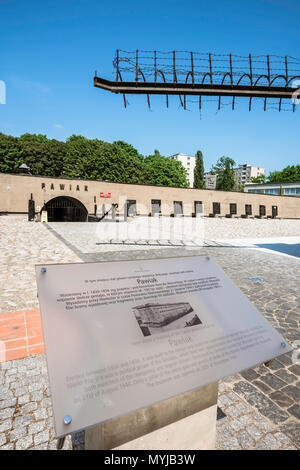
(156, 318)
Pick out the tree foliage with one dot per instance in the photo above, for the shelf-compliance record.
(199, 182)
(225, 174)
(84, 158)
(289, 174)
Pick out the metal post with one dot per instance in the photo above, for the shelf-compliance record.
(136, 65)
(210, 69)
(117, 77)
(192, 64)
(155, 68)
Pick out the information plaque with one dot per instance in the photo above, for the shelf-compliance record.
(120, 336)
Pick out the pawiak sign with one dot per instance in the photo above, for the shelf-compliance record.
(120, 336)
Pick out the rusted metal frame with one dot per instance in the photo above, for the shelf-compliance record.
(167, 98)
(117, 66)
(238, 82)
(186, 79)
(286, 71)
(196, 89)
(148, 97)
(175, 76)
(210, 70)
(251, 80)
(137, 65)
(124, 97)
(227, 73)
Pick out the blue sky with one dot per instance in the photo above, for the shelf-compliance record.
(50, 50)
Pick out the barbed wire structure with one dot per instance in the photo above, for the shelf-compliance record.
(271, 78)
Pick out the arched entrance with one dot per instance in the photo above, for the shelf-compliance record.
(65, 209)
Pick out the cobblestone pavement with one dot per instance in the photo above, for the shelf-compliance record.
(261, 405)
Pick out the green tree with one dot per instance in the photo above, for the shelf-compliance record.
(163, 171)
(289, 174)
(9, 154)
(258, 179)
(199, 182)
(225, 174)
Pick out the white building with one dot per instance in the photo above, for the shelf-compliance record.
(281, 189)
(244, 173)
(188, 162)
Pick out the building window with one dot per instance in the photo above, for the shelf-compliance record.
(85, 188)
(94, 198)
(77, 188)
(248, 209)
(62, 186)
(178, 208)
(52, 186)
(70, 187)
(43, 185)
(216, 208)
(272, 191)
(232, 208)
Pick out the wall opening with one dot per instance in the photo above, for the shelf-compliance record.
(66, 209)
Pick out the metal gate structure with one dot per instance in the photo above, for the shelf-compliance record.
(65, 209)
(273, 79)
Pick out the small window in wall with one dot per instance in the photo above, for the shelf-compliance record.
(85, 188)
(178, 208)
(43, 185)
(52, 186)
(70, 187)
(94, 198)
(232, 208)
(216, 208)
(248, 209)
(274, 211)
(62, 186)
(155, 206)
(262, 210)
(198, 207)
(77, 188)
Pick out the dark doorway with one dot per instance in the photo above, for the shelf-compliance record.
(66, 209)
(131, 207)
(274, 211)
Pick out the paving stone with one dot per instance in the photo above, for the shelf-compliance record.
(254, 432)
(292, 430)
(231, 444)
(244, 439)
(5, 425)
(268, 443)
(262, 386)
(265, 406)
(295, 369)
(6, 413)
(236, 424)
(295, 410)
(24, 443)
(249, 374)
(274, 365)
(36, 427)
(284, 375)
(23, 399)
(22, 420)
(273, 381)
(281, 398)
(17, 433)
(232, 411)
(282, 438)
(7, 447)
(293, 392)
(2, 439)
(41, 437)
